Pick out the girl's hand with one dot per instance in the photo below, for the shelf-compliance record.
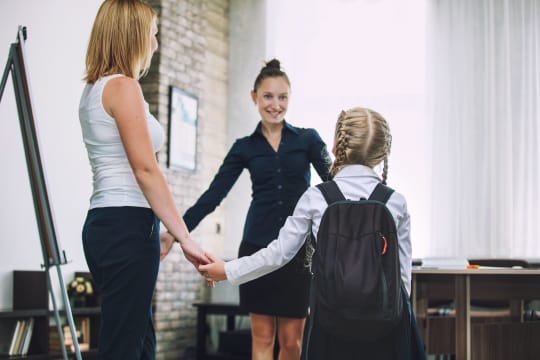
(215, 270)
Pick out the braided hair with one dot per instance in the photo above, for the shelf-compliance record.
(270, 69)
(362, 137)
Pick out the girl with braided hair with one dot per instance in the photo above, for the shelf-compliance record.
(362, 142)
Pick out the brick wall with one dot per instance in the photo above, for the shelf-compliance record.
(193, 56)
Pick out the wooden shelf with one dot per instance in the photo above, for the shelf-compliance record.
(14, 314)
(30, 300)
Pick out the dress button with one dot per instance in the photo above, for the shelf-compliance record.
(280, 202)
(278, 170)
(279, 187)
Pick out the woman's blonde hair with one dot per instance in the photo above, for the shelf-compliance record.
(362, 137)
(120, 42)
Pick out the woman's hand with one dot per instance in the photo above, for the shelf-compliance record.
(166, 242)
(215, 270)
(195, 255)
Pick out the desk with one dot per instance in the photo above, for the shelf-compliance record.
(464, 285)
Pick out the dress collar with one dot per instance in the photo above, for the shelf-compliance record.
(286, 126)
(356, 170)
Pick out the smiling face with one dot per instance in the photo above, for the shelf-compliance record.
(272, 99)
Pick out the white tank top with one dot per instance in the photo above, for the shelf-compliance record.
(114, 183)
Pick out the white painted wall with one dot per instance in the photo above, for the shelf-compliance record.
(345, 53)
(58, 32)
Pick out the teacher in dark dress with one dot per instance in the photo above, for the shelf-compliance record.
(278, 156)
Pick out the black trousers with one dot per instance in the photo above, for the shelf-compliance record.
(121, 246)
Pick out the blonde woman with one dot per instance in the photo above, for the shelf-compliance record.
(362, 142)
(130, 195)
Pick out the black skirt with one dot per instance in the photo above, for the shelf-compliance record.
(402, 343)
(282, 293)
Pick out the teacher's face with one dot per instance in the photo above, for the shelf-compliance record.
(272, 99)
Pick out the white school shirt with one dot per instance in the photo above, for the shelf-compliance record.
(114, 183)
(355, 182)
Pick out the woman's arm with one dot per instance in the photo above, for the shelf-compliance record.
(319, 156)
(223, 181)
(123, 99)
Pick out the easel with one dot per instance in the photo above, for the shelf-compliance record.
(53, 256)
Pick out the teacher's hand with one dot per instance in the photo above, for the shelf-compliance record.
(166, 242)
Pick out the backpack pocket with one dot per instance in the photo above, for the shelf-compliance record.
(358, 277)
(356, 295)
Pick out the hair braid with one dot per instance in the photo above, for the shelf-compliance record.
(384, 175)
(362, 137)
(340, 146)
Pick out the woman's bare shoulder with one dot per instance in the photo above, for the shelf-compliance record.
(123, 84)
(119, 92)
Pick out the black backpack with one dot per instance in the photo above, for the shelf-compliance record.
(357, 279)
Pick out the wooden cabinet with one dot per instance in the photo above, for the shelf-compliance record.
(477, 333)
(30, 301)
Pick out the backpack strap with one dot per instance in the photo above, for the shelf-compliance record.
(331, 191)
(381, 193)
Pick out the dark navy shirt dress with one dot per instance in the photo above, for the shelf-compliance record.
(278, 180)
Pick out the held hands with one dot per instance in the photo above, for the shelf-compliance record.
(195, 255)
(192, 252)
(214, 271)
(212, 268)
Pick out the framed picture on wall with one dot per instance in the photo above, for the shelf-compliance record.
(183, 109)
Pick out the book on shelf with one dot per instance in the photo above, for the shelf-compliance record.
(22, 336)
(12, 347)
(54, 340)
(27, 337)
(85, 329)
(82, 327)
(18, 338)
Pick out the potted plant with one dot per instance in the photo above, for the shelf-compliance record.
(79, 289)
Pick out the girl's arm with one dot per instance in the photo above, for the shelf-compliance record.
(398, 207)
(123, 99)
(278, 253)
(405, 246)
